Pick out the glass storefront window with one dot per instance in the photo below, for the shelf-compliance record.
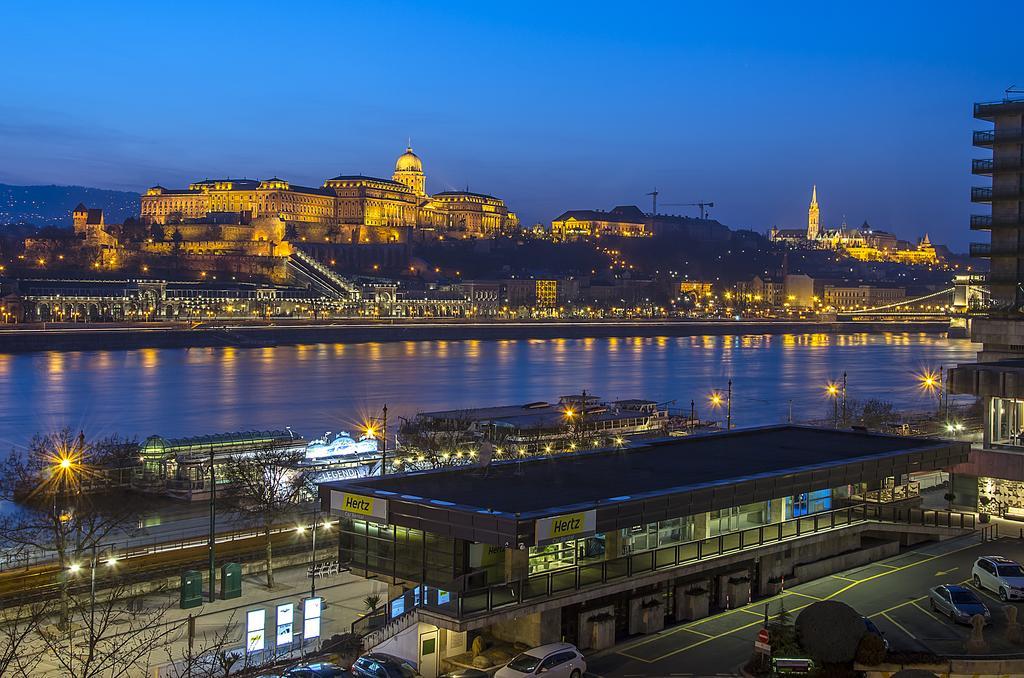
(1006, 422)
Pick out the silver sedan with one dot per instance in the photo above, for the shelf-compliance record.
(958, 603)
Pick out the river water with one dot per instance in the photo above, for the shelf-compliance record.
(331, 387)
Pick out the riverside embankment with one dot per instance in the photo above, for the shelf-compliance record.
(160, 335)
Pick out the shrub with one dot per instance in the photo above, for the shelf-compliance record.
(830, 631)
(479, 645)
(871, 650)
(696, 591)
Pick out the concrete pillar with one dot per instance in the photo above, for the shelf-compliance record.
(613, 545)
(517, 563)
(701, 525)
(776, 510)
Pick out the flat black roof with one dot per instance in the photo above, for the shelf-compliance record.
(676, 477)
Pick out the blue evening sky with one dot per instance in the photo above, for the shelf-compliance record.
(549, 105)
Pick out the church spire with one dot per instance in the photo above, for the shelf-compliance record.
(813, 215)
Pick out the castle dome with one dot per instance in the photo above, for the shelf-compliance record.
(409, 162)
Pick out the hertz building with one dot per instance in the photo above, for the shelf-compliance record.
(346, 209)
(536, 550)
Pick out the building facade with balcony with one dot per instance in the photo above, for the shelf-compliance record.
(993, 479)
(530, 550)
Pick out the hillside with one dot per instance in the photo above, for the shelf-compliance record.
(52, 205)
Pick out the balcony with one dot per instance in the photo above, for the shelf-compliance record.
(986, 138)
(1001, 166)
(988, 110)
(981, 250)
(985, 194)
(981, 194)
(981, 222)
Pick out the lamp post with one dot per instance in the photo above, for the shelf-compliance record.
(832, 391)
(213, 528)
(845, 420)
(716, 401)
(372, 432)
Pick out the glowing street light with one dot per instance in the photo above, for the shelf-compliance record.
(715, 399)
(832, 391)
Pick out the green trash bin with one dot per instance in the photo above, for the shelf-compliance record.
(230, 581)
(191, 589)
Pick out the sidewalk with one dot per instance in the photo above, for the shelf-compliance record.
(342, 595)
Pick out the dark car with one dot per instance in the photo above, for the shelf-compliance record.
(875, 630)
(317, 670)
(381, 665)
(466, 673)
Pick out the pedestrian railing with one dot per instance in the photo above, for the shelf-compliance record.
(573, 578)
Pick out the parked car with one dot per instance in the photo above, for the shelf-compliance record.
(957, 603)
(466, 673)
(382, 665)
(999, 575)
(317, 670)
(875, 630)
(557, 660)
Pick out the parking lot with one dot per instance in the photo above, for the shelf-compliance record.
(893, 593)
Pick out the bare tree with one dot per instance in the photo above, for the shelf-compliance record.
(211, 658)
(66, 511)
(18, 631)
(113, 634)
(265, 485)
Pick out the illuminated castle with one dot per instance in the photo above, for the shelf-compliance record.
(862, 243)
(346, 208)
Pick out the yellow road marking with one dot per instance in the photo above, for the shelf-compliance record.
(927, 612)
(853, 582)
(900, 626)
(805, 595)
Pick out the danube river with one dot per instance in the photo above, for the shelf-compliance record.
(331, 387)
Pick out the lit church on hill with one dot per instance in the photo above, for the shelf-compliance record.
(864, 243)
(345, 209)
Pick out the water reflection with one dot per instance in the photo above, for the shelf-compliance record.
(327, 386)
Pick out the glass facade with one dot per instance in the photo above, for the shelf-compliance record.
(1006, 422)
(426, 558)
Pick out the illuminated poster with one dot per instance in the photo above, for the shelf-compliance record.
(285, 614)
(311, 617)
(255, 622)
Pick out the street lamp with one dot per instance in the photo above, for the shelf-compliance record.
(715, 399)
(832, 391)
(371, 430)
(931, 383)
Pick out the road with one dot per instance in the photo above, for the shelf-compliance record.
(892, 592)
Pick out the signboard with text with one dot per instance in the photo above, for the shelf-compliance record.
(359, 506)
(565, 527)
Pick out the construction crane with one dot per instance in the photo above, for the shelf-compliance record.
(702, 205)
(654, 200)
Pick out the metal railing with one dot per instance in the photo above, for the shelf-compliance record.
(981, 194)
(981, 222)
(980, 249)
(987, 137)
(987, 166)
(889, 495)
(574, 578)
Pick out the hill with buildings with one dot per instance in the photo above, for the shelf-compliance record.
(52, 205)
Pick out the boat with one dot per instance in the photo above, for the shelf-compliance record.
(341, 445)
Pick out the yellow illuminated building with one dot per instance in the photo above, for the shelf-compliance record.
(347, 208)
(547, 293)
(622, 222)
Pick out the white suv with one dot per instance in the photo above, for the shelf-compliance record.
(1001, 575)
(557, 660)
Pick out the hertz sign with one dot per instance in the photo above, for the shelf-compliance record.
(373, 508)
(565, 527)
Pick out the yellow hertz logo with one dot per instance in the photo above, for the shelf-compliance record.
(562, 526)
(355, 503)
